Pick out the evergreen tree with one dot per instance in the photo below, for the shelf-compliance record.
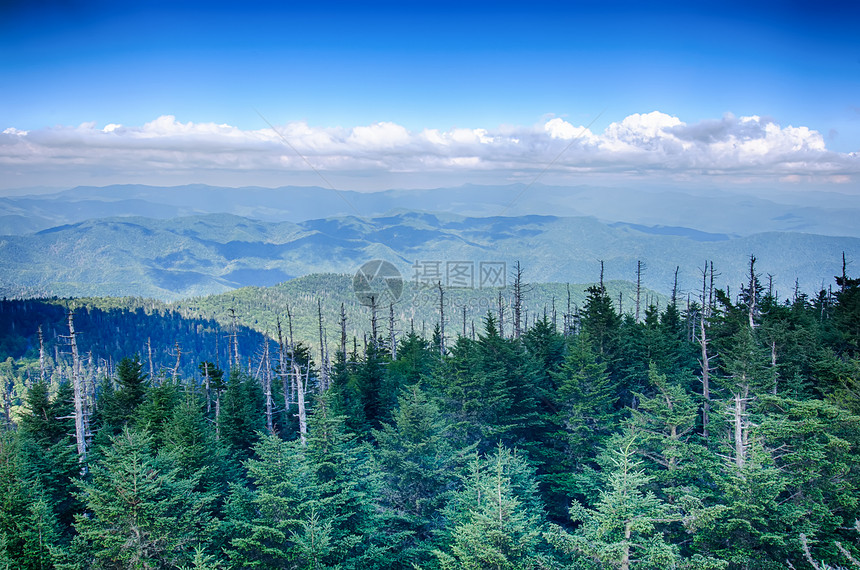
(496, 520)
(47, 447)
(419, 470)
(117, 406)
(157, 409)
(28, 526)
(242, 414)
(139, 512)
(623, 529)
(262, 523)
(584, 417)
(189, 438)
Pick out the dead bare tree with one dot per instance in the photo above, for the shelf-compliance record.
(79, 396)
(42, 365)
(392, 338)
(323, 356)
(639, 268)
(301, 388)
(518, 293)
(501, 315)
(207, 386)
(149, 352)
(374, 321)
(343, 330)
(283, 370)
(705, 359)
(267, 385)
(234, 338)
(675, 288)
(178, 350)
(441, 318)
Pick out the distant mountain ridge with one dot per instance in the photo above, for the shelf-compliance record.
(197, 255)
(709, 211)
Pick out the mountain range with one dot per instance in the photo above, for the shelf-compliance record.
(203, 254)
(703, 209)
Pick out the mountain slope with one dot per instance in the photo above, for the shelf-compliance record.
(197, 255)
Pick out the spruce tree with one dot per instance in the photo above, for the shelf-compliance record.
(419, 468)
(139, 512)
(496, 521)
(623, 529)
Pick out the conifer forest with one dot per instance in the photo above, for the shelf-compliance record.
(715, 431)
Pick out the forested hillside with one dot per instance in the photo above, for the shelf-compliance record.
(717, 434)
(191, 256)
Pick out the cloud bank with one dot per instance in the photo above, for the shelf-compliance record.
(735, 149)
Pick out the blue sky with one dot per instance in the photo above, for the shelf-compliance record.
(504, 68)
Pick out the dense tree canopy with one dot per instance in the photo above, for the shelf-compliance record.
(722, 433)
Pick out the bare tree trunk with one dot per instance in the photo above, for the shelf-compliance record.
(267, 385)
(392, 339)
(703, 344)
(675, 288)
(518, 300)
(323, 357)
(343, 330)
(207, 387)
(149, 351)
(441, 319)
(234, 337)
(740, 429)
(178, 350)
(80, 397)
(501, 316)
(638, 287)
(301, 385)
(568, 316)
(706, 376)
(286, 385)
(625, 550)
(374, 329)
(42, 365)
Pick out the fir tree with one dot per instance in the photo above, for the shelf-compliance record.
(139, 512)
(496, 520)
(622, 531)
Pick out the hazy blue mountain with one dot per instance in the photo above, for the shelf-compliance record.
(705, 210)
(213, 253)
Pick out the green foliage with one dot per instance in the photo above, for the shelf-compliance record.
(140, 513)
(624, 529)
(495, 520)
(606, 417)
(419, 467)
(241, 415)
(310, 506)
(120, 403)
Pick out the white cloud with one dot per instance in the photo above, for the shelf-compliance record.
(740, 148)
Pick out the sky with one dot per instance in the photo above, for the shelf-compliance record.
(377, 95)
